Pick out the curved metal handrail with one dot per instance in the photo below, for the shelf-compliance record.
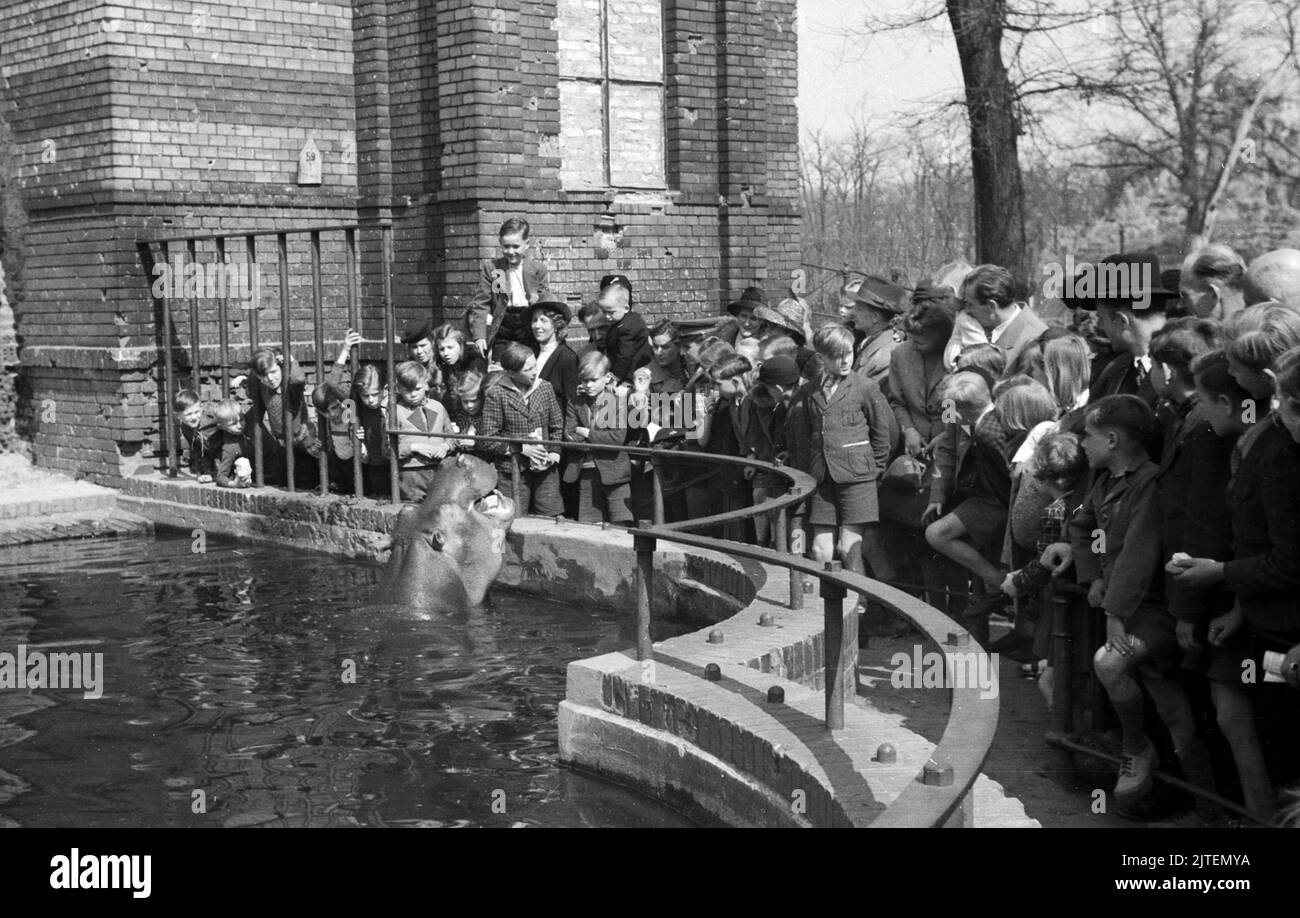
(972, 719)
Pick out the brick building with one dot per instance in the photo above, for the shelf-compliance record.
(125, 124)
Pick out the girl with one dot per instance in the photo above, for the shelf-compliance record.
(370, 401)
(452, 360)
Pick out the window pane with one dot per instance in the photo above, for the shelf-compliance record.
(577, 23)
(582, 145)
(636, 143)
(636, 40)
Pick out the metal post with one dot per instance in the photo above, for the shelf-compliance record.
(658, 492)
(390, 334)
(169, 384)
(1063, 663)
(282, 263)
(223, 317)
(251, 242)
(514, 479)
(354, 322)
(781, 540)
(319, 335)
(196, 357)
(833, 603)
(796, 538)
(645, 550)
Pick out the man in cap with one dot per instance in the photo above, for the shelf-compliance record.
(1132, 305)
(876, 304)
(743, 309)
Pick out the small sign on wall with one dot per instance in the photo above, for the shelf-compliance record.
(309, 170)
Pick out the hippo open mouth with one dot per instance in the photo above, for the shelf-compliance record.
(496, 505)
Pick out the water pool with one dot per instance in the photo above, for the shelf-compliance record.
(225, 675)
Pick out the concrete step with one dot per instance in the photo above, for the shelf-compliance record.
(54, 527)
(62, 496)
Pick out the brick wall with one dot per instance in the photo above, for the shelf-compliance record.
(163, 118)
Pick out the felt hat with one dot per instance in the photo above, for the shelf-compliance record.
(1131, 279)
(879, 293)
(788, 315)
(752, 298)
(416, 329)
(554, 303)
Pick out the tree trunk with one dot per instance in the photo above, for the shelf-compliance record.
(995, 160)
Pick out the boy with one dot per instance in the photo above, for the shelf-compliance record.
(418, 457)
(497, 315)
(228, 444)
(604, 478)
(1115, 549)
(266, 407)
(195, 434)
(974, 474)
(523, 405)
(627, 342)
(761, 427)
(845, 422)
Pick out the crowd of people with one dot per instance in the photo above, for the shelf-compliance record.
(1139, 452)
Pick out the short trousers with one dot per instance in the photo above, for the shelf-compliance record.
(851, 504)
(1154, 627)
(985, 520)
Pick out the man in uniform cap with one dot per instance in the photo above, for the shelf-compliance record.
(876, 304)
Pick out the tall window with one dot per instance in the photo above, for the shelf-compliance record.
(611, 94)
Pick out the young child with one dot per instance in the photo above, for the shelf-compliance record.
(451, 362)
(370, 401)
(266, 413)
(468, 416)
(988, 360)
(604, 479)
(1115, 549)
(719, 434)
(195, 434)
(521, 404)
(627, 341)
(228, 445)
(845, 421)
(762, 428)
(331, 402)
(417, 456)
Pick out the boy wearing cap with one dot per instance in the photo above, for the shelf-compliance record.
(876, 304)
(1129, 314)
(497, 314)
(627, 341)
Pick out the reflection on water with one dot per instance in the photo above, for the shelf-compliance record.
(226, 688)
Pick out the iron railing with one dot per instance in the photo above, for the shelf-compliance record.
(956, 761)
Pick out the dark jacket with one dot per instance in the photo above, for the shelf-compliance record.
(1127, 512)
(613, 468)
(1194, 518)
(200, 452)
(627, 345)
(1264, 499)
(228, 447)
(561, 371)
(848, 436)
(490, 302)
(265, 405)
(914, 396)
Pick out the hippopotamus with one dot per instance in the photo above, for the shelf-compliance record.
(447, 551)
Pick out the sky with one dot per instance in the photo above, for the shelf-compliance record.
(843, 75)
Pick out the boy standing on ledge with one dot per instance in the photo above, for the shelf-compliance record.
(498, 313)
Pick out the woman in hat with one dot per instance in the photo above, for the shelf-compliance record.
(790, 315)
(557, 363)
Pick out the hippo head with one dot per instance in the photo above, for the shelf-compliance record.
(463, 519)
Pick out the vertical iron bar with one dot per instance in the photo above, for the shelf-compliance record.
(645, 549)
(282, 263)
(797, 539)
(781, 542)
(833, 602)
(354, 322)
(658, 492)
(390, 334)
(223, 317)
(250, 242)
(319, 334)
(196, 357)
(169, 383)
